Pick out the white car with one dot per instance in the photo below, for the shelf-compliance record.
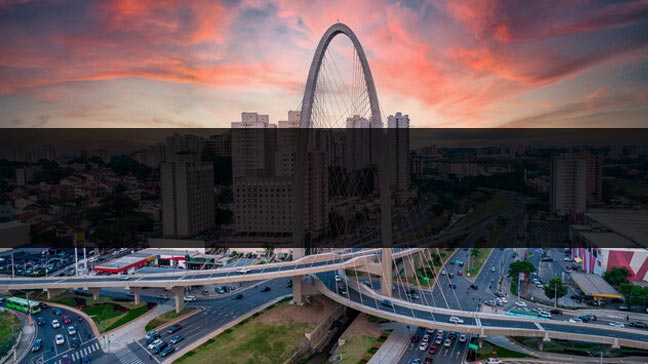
(443, 272)
(616, 324)
(71, 330)
(493, 361)
(59, 339)
(423, 346)
(56, 324)
(154, 343)
(123, 277)
(520, 303)
(544, 314)
(456, 320)
(337, 278)
(243, 270)
(190, 298)
(575, 320)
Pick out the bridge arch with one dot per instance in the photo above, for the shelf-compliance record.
(313, 75)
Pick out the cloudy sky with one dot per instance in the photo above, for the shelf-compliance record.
(479, 63)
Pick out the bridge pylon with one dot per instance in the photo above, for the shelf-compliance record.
(298, 281)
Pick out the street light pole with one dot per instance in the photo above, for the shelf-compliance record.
(555, 295)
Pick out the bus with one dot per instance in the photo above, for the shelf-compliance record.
(21, 304)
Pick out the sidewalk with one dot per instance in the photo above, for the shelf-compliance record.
(392, 349)
(119, 338)
(506, 343)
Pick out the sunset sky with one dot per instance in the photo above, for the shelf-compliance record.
(481, 63)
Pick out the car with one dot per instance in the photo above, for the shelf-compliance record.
(205, 292)
(638, 325)
(440, 333)
(461, 263)
(556, 311)
(536, 309)
(415, 339)
(159, 347)
(623, 308)
(433, 350)
(493, 361)
(438, 340)
(243, 270)
(499, 302)
(503, 299)
(66, 359)
(520, 303)
(500, 294)
(173, 329)
(443, 272)
(123, 277)
(463, 338)
(163, 297)
(289, 284)
(452, 335)
(154, 343)
(40, 321)
(450, 275)
(43, 305)
(544, 314)
(238, 296)
(85, 360)
(387, 303)
(616, 324)
(56, 324)
(71, 330)
(74, 342)
(452, 285)
(428, 360)
(176, 339)
(447, 343)
(416, 361)
(219, 290)
(567, 259)
(460, 273)
(190, 298)
(474, 286)
(588, 318)
(413, 296)
(38, 344)
(576, 320)
(539, 285)
(456, 320)
(337, 278)
(490, 303)
(167, 350)
(66, 319)
(423, 346)
(493, 269)
(266, 289)
(59, 339)
(426, 338)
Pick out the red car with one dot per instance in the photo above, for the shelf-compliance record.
(460, 273)
(415, 339)
(428, 360)
(66, 319)
(432, 350)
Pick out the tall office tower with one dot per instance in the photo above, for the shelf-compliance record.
(220, 144)
(594, 178)
(399, 138)
(358, 143)
(568, 184)
(254, 142)
(187, 191)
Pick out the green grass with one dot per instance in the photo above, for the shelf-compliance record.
(10, 326)
(496, 204)
(476, 263)
(129, 316)
(489, 350)
(253, 342)
(166, 317)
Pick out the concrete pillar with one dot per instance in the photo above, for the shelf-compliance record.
(541, 342)
(137, 294)
(178, 292)
(480, 341)
(298, 281)
(386, 276)
(95, 293)
(53, 292)
(616, 344)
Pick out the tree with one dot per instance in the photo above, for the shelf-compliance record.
(474, 252)
(520, 266)
(617, 276)
(555, 289)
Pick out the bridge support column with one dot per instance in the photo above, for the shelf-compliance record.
(137, 294)
(298, 281)
(95, 293)
(178, 293)
(480, 341)
(386, 277)
(541, 342)
(53, 292)
(616, 344)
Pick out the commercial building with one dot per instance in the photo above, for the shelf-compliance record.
(187, 193)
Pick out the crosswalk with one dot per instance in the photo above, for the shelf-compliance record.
(84, 351)
(126, 356)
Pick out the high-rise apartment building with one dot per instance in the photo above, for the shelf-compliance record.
(399, 137)
(568, 184)
(594, 178)
(187, 192)
(220, 144)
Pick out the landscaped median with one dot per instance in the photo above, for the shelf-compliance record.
(10, 327)
(270, 336)
(361, 340)
(108, 313)
(169, 317)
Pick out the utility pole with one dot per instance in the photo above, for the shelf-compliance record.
(555, 295)
(13, 267)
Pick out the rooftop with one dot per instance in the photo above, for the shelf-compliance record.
(633, 224)
(607, 239)
(594, 285)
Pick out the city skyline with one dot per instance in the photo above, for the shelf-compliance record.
(469, 64)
